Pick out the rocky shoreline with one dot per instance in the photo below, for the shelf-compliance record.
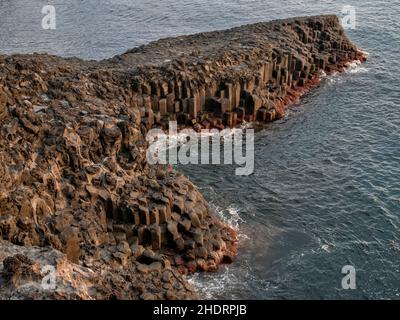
(76, 191)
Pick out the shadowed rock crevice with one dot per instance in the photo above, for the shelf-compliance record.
(76, 191)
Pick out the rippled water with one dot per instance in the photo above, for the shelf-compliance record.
(326, 187)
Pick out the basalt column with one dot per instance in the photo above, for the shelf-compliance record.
(76, 190)
(247, 73)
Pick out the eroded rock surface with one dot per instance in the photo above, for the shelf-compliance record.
(26, 273)
(76, 191)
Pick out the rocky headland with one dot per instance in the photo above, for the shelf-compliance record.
(76, 191)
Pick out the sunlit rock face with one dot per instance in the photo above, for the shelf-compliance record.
(76, 191)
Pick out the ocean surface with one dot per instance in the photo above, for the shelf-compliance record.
(325, 192)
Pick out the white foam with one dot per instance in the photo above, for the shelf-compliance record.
(179, 139)
(358, 70)
(213, 285)
(326, 248)
(355, 67)
(230, 215)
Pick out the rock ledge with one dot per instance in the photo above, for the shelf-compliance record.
(76, 192)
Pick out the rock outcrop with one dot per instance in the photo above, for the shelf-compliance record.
(43, 273)
(76, 191)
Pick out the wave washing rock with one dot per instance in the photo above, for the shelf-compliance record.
(76, 191)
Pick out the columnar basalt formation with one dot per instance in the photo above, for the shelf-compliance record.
(247, 73)
(74, 179)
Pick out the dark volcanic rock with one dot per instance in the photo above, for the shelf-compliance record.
(24, 271)
(76, 191)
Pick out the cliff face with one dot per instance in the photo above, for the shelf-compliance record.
(246, 73)
(73, 174)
